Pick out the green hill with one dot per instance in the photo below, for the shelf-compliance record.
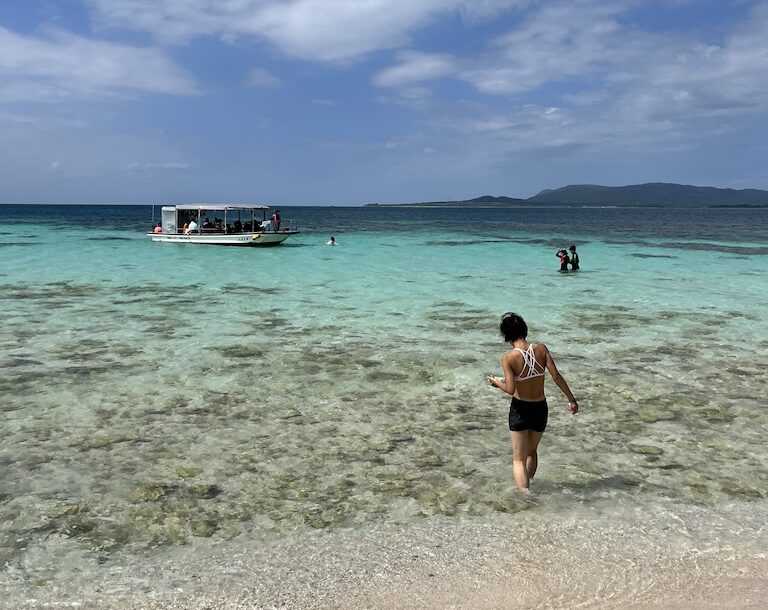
(483, 201)
(654, 193)
(651, 194)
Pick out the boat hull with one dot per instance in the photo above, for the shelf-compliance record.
(225, 239)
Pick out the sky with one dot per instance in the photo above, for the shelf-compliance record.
(341, 102)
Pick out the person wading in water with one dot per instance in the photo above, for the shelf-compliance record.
(523, 379)
(574, 259)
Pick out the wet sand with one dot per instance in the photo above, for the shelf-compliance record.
(693, 560)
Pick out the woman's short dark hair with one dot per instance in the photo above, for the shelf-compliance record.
(513, 327)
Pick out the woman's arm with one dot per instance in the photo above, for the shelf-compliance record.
(507, 383)
(573, 406)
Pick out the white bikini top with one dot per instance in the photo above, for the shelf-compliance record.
(531, 367)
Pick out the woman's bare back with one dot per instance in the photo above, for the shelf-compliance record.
(532, 389)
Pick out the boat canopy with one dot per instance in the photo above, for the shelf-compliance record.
(220, 206)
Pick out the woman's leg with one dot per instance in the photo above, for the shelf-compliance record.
(520, 452)
(532, 460)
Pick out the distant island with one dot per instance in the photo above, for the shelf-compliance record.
(650, 194)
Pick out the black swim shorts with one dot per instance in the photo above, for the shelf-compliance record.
(524, 415)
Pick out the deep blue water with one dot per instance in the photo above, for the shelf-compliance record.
(562, 223)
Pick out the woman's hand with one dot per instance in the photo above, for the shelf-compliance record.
(573, 406)
(494, 381)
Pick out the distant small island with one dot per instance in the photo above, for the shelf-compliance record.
(660, 194)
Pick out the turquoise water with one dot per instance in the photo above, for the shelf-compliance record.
(160, 396)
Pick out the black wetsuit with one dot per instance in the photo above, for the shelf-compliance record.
(574, 261)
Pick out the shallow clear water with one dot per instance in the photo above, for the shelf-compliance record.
(162, 395)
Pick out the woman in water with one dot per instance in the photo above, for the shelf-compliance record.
(523, 379)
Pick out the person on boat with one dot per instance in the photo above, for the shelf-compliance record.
(332, 241)
(158, 228)
(574, 258)
(562, 254)
(523, 379)
(207, 224)
(276, 220)
(192, 226)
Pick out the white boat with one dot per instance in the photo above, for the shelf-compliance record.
(236, 224)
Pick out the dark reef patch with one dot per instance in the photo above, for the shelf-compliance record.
(642, 255)
(241, 351)
(708, 247)
(111, 238)
(250, 290)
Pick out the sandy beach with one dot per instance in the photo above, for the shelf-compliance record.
(519, 561)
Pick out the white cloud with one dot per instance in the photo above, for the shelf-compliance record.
(93, 158)
(556, 42)
(17, 118)
(717, 79)
(13, 90)
(316, 30)
(414, 67)
(259, 77)
(610, 82)
(63, 66)
(136, 166)
(480, 10)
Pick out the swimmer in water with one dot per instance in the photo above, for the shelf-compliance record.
(562, 254)
(331, 242)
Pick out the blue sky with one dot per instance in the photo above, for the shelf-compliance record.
(321, 102)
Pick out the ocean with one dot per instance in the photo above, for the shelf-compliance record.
(167, 403)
